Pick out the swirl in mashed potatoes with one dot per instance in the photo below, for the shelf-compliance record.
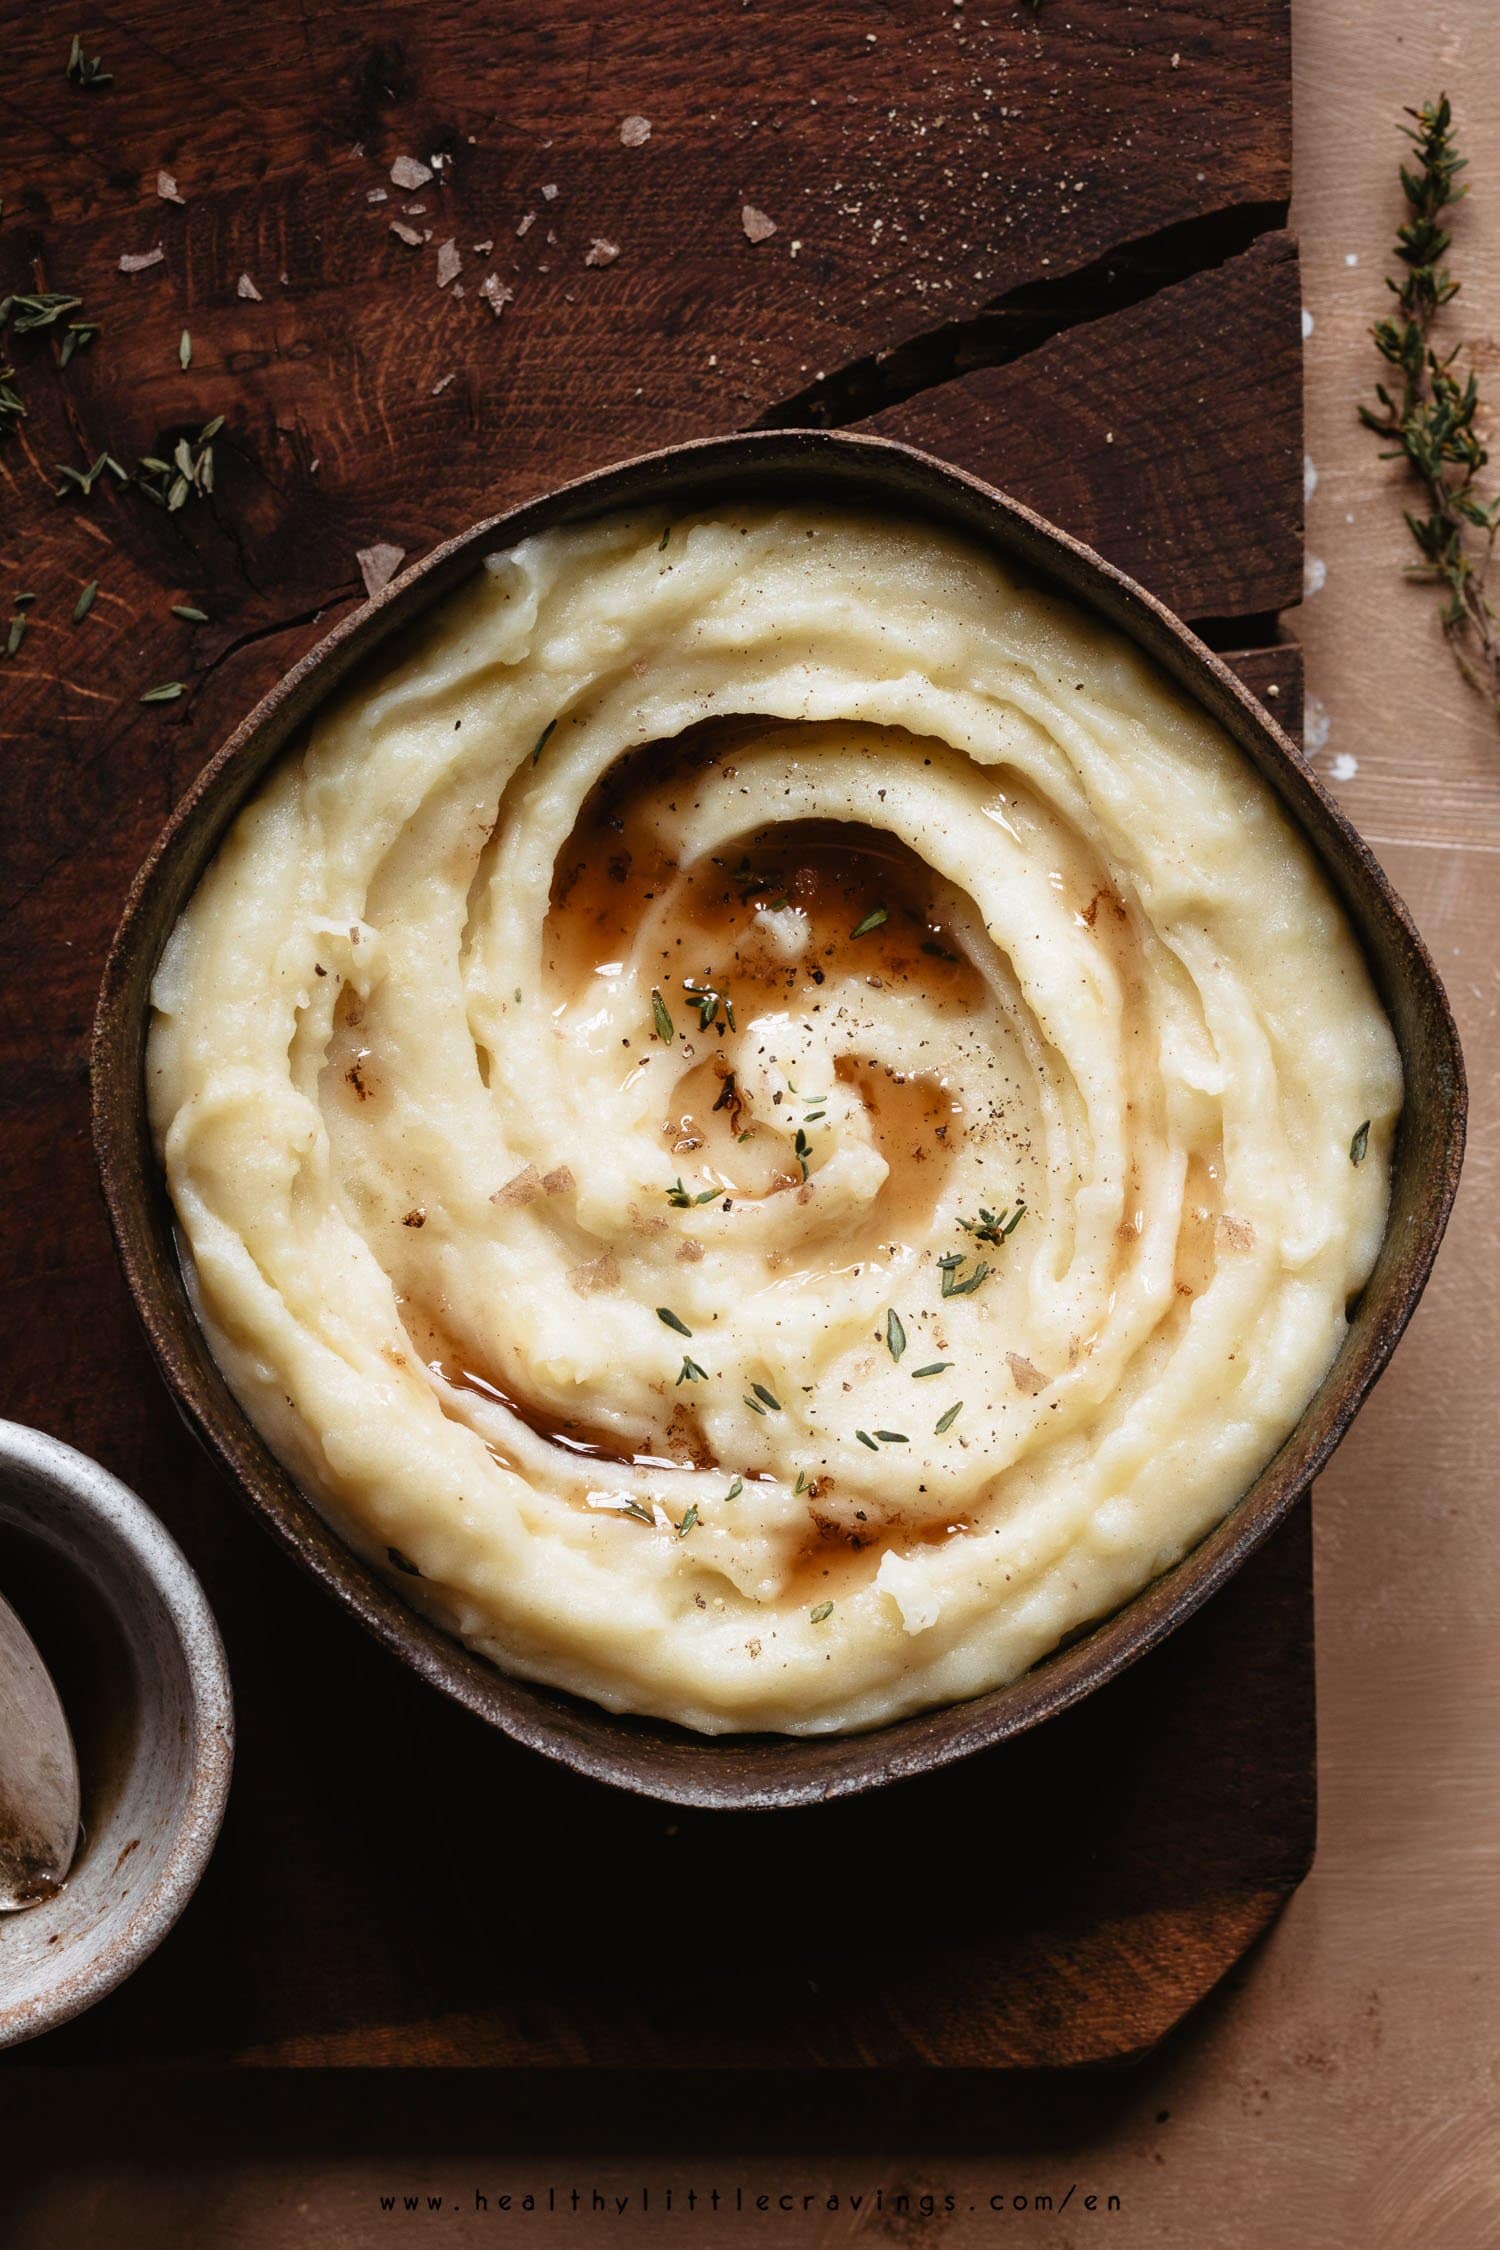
(763, 1117)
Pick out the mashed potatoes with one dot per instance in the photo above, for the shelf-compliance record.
(763, 1117)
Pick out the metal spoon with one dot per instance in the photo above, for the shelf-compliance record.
(38, 1775)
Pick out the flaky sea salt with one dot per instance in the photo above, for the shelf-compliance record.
(378, 565)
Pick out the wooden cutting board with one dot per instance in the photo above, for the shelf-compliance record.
(1044, 242)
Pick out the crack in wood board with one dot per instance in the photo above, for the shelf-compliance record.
(1023, 319)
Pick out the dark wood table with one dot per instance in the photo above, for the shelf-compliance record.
(1046, 243)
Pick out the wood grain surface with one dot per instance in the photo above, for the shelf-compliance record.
(1121, 348)
(1047, 244)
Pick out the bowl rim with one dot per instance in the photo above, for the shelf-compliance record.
(759, 1772)
(174, 1591)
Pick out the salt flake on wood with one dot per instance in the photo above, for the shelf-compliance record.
(407, 173)
(378, 565)
(758, 227)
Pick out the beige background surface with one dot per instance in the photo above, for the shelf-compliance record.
(1344, 2091)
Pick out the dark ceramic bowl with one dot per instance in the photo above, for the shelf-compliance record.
(655, 1758)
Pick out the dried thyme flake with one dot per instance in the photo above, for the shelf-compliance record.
(669, 1319)
(543, 739)
(866, 1439)
(691, 1372)
(946, 1421)
(895, 1334)
(938, 1367)
(821, 1614)
(688, 1521)
(666, 1030)
(1360, 1144)
(872, 921)
(767, 1398)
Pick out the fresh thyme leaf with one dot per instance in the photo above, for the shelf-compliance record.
(83, 481)
(661, 544)
(1360, 1144)
(87, 70)
(185, 350)
(17, 632)
(193, 616)
(688, 1521)
(665, 1029)
(952, 1286)
(866, 1439)
(801, 1484)
(767, 1398)
(75, 336)
(708, 1002)
(754, 1404)
(802, 1150)
(669, 1319)
(634, 1508)
(167, 693)
(938, 1367)
(683, 1199)
(734, 1491)
(991, 1226)
(42, 310)
(946, 1421)
(12, 405)
(23, 601)
(821, 1614)
(895, 1334)
(691, 1373)
(542, 740)
(1435, 417)
(893, 1437)
(872, 921)
(85, 601)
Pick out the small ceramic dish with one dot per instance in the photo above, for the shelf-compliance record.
(644, 1755)
(132, 1646)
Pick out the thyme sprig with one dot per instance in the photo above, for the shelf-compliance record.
(1432, 416)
